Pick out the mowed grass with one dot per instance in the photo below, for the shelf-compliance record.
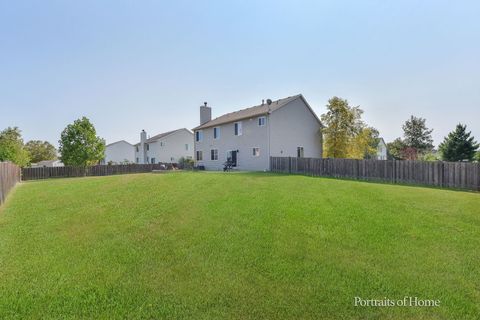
(236, 246)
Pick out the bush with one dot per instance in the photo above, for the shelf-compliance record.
(185, 163)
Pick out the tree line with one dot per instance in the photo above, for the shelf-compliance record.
(79, 146)
(346, 135)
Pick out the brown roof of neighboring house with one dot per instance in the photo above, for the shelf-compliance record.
(251, 112)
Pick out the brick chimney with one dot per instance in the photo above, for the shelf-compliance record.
(205, 113)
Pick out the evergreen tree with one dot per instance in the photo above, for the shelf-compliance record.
(459, 145)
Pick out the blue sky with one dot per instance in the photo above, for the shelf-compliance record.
(132, 65)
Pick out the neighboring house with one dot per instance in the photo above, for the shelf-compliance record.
(381, 150)
(47, 163)
(119, 152)
(249, 137)
(166, 147)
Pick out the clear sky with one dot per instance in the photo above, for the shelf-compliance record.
(132, 65)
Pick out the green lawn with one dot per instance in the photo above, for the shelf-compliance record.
(236, 246)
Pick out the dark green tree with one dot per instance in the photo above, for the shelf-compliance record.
(12, 148)
(396, 149)
(80, 145)
(459, 145)
(40, 150)
(417, 135)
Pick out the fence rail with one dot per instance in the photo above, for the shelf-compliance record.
(9, 176)
(100, 170)
(459, 175)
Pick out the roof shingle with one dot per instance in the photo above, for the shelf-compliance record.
(248, 112)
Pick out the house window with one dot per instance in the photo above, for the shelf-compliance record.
(199, 155)
(153, 160)
(172, 159)
(256, 152)
(186, 146)
(148, 159)
(262, 121)
(136, 148)
(214, 154)
(216, 133)
(238, 128)
(198, 135)
(138, 159)
(148, 147)
(300, 152)
(162, 144)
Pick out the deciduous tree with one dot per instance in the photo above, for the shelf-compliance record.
(341, 126)
(12, 148)
(417, 135)
(40, 150)
(80, 145)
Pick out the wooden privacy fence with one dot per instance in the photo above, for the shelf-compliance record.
(100, 170)
(9, 176)
(462, 175)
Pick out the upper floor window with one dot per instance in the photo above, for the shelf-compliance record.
(162, 144)
(300, 152)
(148, 147)
(136, 149)
(262, 121)
(238, 128)
(198, 135)
(214, 154)
(216, 133)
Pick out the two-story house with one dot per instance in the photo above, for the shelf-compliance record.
(247, 138)
(165, 147)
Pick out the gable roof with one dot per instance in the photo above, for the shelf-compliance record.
(253, 112)
(162, 135)
(110, 144)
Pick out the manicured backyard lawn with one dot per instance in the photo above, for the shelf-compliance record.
(236, 246)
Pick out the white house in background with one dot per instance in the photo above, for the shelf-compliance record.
(119, 152)
(381, 150)
(47, 163)
(165, 147)
(285, 128)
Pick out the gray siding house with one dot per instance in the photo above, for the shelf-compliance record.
(285, 128)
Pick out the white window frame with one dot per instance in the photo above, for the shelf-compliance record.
(213, 152)
(254, 153)
(229, 151)
(199, 137)
(152, 160)
(238, 126)
(259, 121)
(199, 152)
(216, 133)
(303, 152)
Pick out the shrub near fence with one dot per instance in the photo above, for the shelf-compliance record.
(9, 176)
(100, 170)
(460, 175)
